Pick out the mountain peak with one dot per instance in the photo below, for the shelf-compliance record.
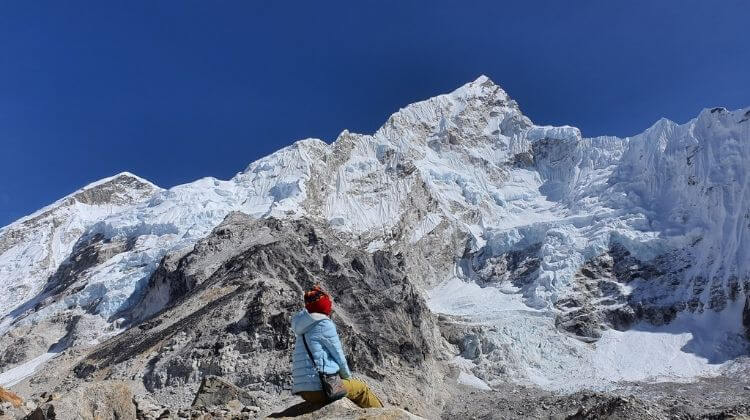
(482, 79)
(129, 186)
(721, 113)
(482, 86)
(120, 188)
(122, 177)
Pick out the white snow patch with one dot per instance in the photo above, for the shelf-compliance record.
(473, 381)
(465, 375)
(692, 345)
(19, 373)
(689, 347)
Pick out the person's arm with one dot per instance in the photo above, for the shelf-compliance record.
(332, 343)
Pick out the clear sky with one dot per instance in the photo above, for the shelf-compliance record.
(177, 90)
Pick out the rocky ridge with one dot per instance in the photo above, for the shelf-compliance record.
(234, 322)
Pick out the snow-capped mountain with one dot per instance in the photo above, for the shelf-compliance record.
(33, 248)
(570, 250)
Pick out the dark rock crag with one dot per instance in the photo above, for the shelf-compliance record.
(226, 308)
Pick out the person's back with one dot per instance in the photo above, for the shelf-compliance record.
(324, 344)
(314, 326)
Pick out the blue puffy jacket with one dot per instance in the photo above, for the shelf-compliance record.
(325, 346)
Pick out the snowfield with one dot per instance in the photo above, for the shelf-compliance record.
(691, 346)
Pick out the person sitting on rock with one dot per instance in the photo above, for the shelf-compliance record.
(314, 325)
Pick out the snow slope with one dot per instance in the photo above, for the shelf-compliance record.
(510, 214)
(525, 346)
(19, 373)
(33, 247)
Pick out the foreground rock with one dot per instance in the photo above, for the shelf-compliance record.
(102, 400)
(710, 398)
(342, 409)
(215, 391)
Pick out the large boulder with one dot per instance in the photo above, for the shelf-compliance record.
(215, 392)
(95, 400)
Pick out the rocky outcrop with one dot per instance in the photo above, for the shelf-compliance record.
(215, 392)
(220, 408)
(12, 405)
(658, 401)
(616, 290)
(104, 399)
(234, 321)
(517, 267)
(10, 397)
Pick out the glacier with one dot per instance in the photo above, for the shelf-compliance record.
(500, 218)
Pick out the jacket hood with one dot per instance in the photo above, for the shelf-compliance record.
(302, 321)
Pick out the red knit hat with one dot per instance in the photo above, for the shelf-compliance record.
(316, 300)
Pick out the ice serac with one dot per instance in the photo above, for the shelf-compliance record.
(691, 181)
(564, 251)
(646, 233)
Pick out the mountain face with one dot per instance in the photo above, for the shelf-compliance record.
(234, 320)
(33, 248)
(564, 256)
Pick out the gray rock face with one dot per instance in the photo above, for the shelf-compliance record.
(87, 253)
(118, 190)
(121, 189)
(709, 400)
(235, 322)
(746, 317)
(599, 300)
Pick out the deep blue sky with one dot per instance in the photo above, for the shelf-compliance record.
(177, 90)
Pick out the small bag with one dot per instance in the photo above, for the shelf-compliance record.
(332, 385)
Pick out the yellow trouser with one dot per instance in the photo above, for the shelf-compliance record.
(356, 390)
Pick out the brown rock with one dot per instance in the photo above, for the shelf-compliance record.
(42, 413)
(7, 396)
